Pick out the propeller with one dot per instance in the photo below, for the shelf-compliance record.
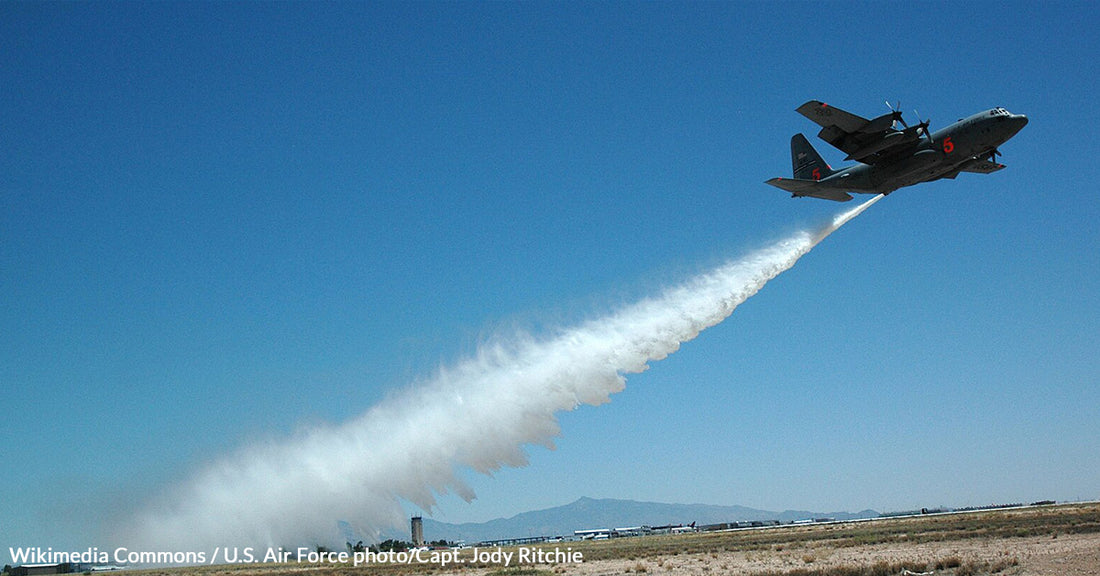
(895, 113)
(923, 126)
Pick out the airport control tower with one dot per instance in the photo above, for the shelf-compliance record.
(417, 531)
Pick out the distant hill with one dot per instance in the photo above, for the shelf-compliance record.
(588, 513)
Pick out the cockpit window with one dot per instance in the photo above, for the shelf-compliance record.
(998, 112)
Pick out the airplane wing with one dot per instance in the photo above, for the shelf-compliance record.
(812, 188)
(829, 116)
(976, 165)
(863, 140)
(981, 166)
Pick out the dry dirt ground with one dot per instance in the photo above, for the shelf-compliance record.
(1046, 540)
(1065, 555)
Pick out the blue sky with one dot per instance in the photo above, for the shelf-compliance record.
(222, 222)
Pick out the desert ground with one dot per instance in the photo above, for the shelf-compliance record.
(1065, 555)
(1059, 540)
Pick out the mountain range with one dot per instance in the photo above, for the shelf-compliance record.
(590, 513)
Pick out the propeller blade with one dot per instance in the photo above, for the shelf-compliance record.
(923, 126)
(895, 112)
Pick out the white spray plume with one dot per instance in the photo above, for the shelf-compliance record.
(480, 413)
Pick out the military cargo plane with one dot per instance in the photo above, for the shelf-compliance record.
(889, 158)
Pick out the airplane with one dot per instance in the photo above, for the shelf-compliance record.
(888, 158)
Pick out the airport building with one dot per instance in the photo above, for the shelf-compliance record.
(417, 531)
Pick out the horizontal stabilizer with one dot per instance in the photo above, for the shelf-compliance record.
(811, 188)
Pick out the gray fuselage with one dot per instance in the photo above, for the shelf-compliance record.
(965, 141)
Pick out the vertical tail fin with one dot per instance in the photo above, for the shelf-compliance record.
(808, 164)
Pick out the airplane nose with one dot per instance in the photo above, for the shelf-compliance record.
(1017, 122)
